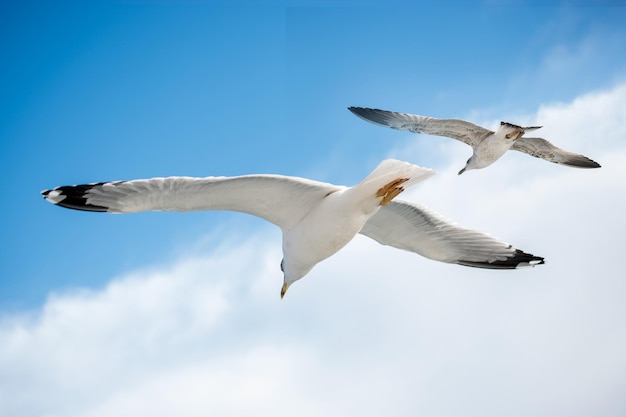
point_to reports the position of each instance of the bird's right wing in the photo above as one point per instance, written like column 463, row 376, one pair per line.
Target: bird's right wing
column 453, row 128
column 279, row 199
column 542, row 148
column 408, row 226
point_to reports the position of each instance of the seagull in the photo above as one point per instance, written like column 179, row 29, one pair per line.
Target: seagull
column 488, row 145
column 317, row 219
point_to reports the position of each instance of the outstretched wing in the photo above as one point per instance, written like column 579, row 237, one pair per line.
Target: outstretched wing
column 415, row 228
column 453, row 128
column 541, row 148
column 279, row 199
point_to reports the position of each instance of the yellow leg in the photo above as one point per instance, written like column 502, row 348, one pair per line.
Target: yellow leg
column 390, row 191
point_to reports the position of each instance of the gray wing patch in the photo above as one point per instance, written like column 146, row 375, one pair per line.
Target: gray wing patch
column 541, row 148
column 462, row 130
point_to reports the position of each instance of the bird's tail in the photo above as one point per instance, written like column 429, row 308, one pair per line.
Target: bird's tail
column 391, row 177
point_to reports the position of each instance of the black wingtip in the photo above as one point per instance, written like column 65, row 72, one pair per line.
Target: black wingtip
column 379, row 117
column 73, row 197
column 363, row 110
column 581, row 161
column 590, row 163
column 356, row 110
column 519, row 259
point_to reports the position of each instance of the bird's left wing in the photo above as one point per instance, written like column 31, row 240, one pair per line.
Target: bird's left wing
column 462, row 130
column 279, row 199
column 415, row 228
column 541, row 148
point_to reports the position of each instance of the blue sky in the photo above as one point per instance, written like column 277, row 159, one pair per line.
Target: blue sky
column 122, row 90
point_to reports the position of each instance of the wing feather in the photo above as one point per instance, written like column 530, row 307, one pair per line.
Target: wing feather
column 415, row 228
column 541, row 148
column 462, row 130
column 279, row 199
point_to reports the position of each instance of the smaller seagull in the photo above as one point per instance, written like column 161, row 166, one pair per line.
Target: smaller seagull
column 488, row 145
column 317, row 219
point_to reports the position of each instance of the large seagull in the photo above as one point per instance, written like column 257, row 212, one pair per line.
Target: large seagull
column 488, row 145
column 317, row 219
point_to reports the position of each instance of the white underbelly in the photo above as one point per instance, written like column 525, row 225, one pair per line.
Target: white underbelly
column 324, row 231
column 489, row 151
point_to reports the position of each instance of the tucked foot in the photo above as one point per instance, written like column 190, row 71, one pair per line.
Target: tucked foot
column 390, row 191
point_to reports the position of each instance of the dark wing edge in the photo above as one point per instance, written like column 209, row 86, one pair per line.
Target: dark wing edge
column 385, row 118
column 517, row 260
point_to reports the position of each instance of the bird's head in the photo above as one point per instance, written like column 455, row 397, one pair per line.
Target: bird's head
column 291, row 274
column 509, row 131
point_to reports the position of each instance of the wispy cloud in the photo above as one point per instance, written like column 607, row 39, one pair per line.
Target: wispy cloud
column 588, row 62
column 371, row 330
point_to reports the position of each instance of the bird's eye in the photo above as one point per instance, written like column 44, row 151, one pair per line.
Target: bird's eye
column 281, row 266
column 508, row 136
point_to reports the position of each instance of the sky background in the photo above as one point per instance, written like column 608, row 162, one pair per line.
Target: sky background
column 179, row 314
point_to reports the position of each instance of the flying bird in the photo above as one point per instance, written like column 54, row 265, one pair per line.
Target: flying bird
column 317, row 219
column 488, row 145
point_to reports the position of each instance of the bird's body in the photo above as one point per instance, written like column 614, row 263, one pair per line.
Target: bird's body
column 488, row 146
column 317, row 219
column 340, row 215
column 316, row 238
column 494, row 145
column 489, row 150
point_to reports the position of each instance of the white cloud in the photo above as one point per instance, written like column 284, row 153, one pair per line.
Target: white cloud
column 371, row 330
